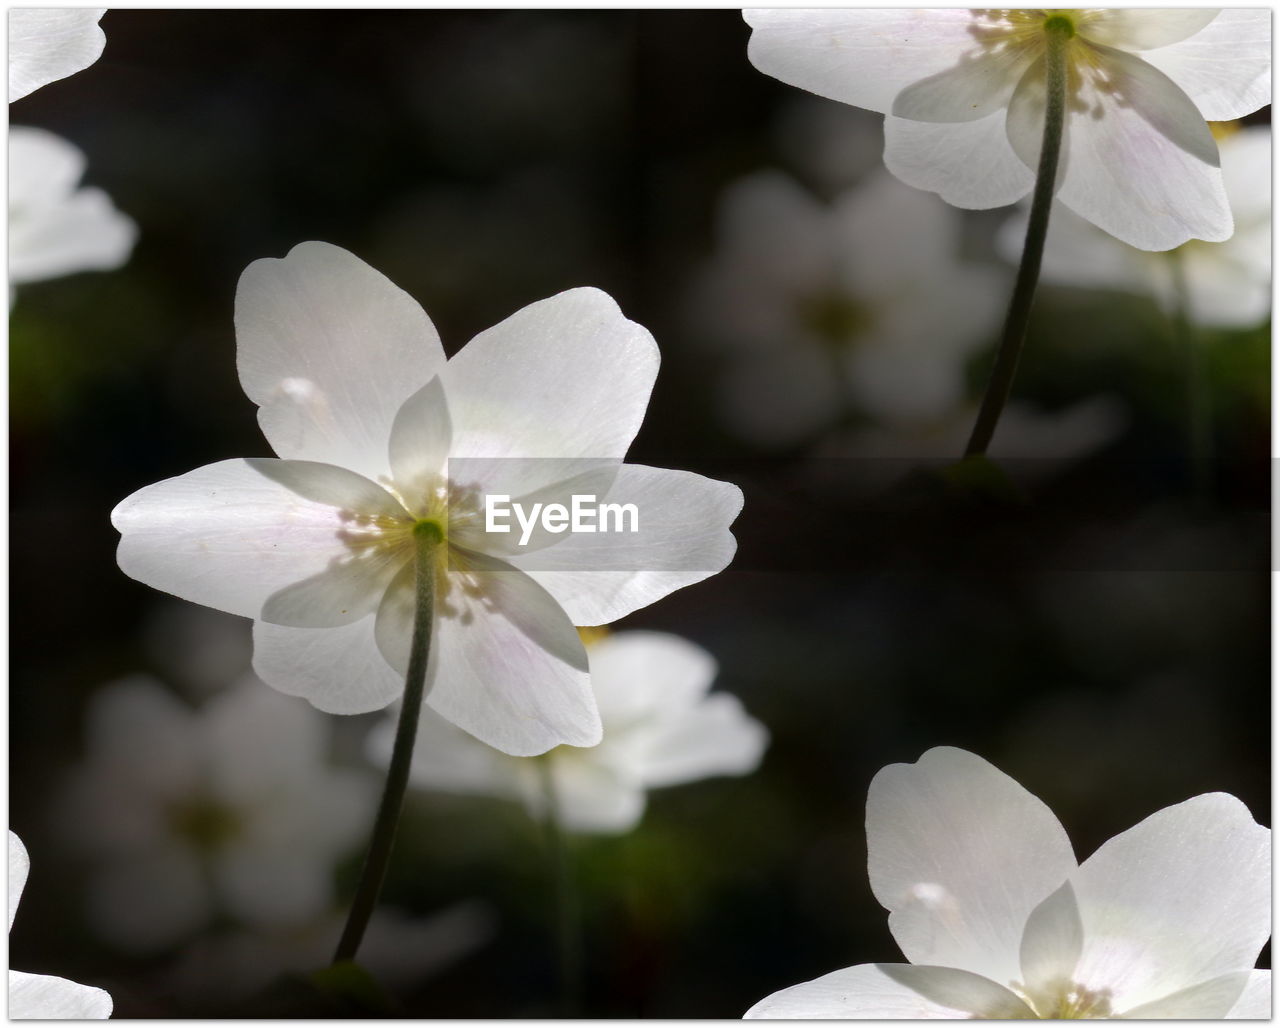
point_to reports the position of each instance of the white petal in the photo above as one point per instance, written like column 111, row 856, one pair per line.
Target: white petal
column 1144, row 29
column 55, row 229
column 1137, row 156
column 960, row 854
column 231, row 534
column 968, row 164
column 42, row 996
column 19, row 867
column 564, row 378
column 1254, row 1003
column 49, row 44
column 717, row 737
column 337, row 670
column 590, row 797
column 1181, row 898
column 1213, row 999
column 637, row 674
column 1226, row 67
column 683, row 538
column 860, row 57
column 350, row 588
column 974, row 88
column 420, row 438
column 506, row 664
column 1052, row 940
column 892, row 991
column 330, row 349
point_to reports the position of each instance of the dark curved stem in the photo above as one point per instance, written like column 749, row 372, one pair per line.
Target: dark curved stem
column 384, row 827
column 1058, row 33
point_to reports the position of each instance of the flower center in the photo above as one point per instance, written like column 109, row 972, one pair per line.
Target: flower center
column 204, row 823
column 1061, row 999
column 833, row 318
column 1060, row 22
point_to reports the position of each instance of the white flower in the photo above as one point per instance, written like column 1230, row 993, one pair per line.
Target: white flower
column 317, row 547
column 48, row 44
column 987, row 902
column 963, row 93
column 661, row 728
column 231, row 808
column 1228, row 284
column 55, row 227
column 823, row 310
column 33, row 996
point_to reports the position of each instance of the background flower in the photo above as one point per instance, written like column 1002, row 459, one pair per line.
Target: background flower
column 661, row 728
column 42, row 995
column 858, row 309
column 55, row 227
column 986, row 900
column 1228, row 283
column 232, row 810
column 963, row 95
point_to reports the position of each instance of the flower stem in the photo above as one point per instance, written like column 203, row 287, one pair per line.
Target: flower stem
column 388, row 819
column 568, row 918
column 1058, row 34
column 1199, row 399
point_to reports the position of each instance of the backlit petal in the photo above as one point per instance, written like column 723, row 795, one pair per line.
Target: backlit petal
column 683, row 537
column 48, row 44
column 892, row 991
column 1254, row 1003
column 564, row 378
column 42, row 996
column 968, row 164
column 861, row 57
column 1181, row 898
column 337, row 670
column 330, row 349
column 1226, row 67
column 229, row 535
column 961, row 854
column 1146, row 28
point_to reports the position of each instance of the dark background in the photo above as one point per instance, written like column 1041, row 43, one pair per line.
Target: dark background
column 1103, row 640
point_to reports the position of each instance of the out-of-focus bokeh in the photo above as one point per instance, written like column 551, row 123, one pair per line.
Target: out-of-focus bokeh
column 1094, row 620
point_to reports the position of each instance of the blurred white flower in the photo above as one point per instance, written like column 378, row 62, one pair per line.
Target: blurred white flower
column 398, row 950
column 42, row 996
column 860, row 306
column 1029, row 443
column 233, row 808
column 986, row 900
column 55, row 227
column 1228, row 284
column 830, row 145
column 356, row 396
column 661, row 728
column 963, row 91
column 47, row 44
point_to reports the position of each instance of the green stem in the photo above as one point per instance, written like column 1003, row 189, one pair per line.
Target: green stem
column 568, row 916
column 1058, row 32
column 384, row 827
column 1199, row 399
